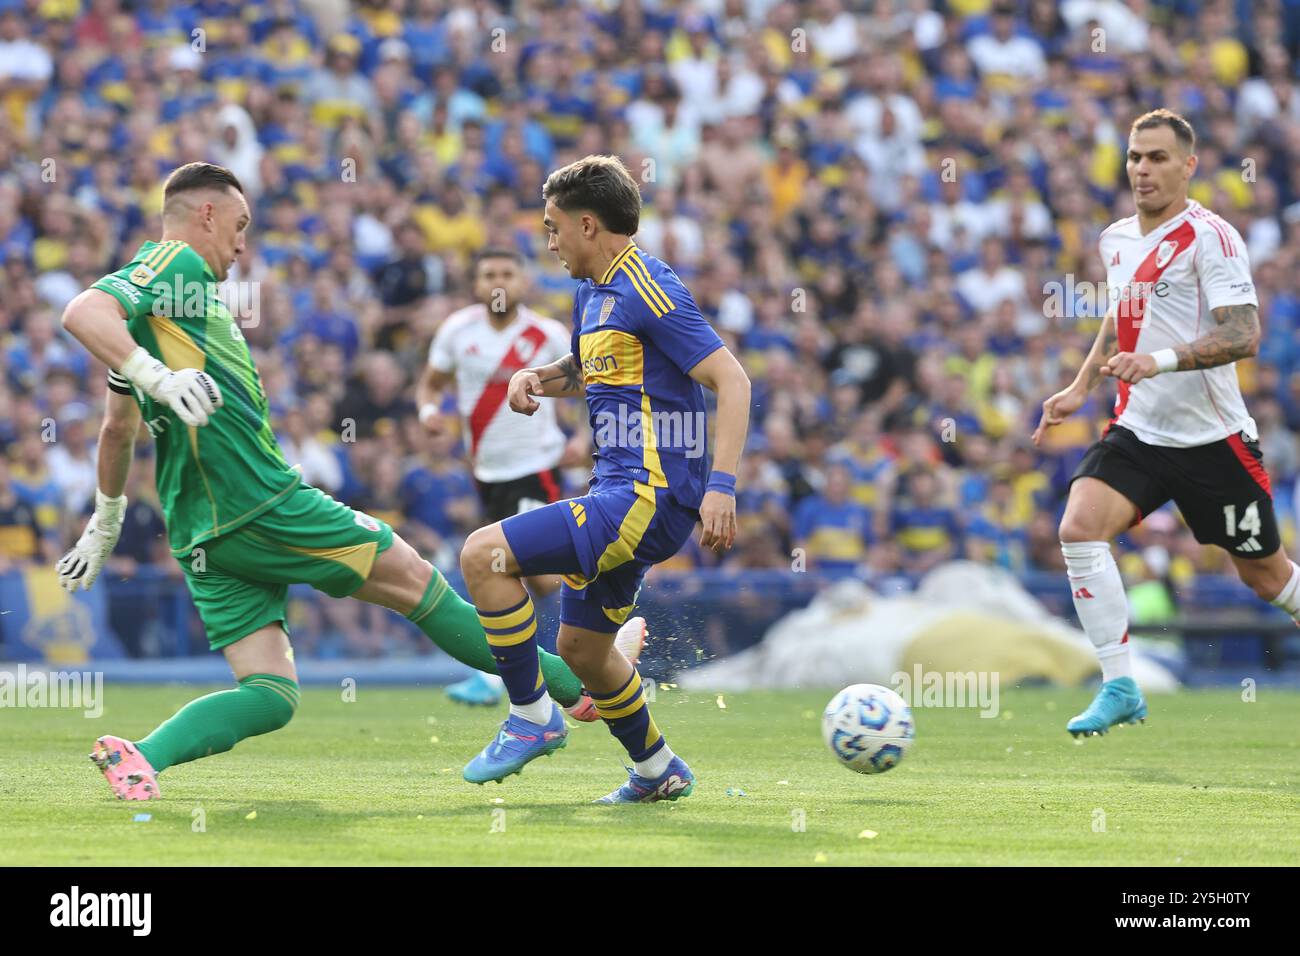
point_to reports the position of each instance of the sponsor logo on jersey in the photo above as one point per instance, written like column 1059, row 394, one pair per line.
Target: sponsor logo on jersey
column 365, row 521
column 128, row 290
column 606, row 309
column 1165, row 253
column 599, row 363
column 142, row 274
column 1114, row 260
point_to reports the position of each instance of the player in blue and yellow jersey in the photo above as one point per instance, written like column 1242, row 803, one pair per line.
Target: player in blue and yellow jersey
column 642, row 355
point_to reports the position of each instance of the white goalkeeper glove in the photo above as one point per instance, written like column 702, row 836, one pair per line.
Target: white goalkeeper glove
column 81, row 566
column 191, row 394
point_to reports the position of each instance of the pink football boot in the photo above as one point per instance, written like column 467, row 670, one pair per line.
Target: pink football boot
column 126, row 771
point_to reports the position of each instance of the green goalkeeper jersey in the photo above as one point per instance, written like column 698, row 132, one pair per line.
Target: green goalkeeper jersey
column 214, row 478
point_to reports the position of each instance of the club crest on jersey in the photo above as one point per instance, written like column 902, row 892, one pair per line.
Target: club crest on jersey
column 365, row 521
column 142, row 274
column 606, row 309
column 1165, row 252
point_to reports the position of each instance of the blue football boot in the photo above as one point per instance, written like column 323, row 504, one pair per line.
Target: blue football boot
column 477, row 690
column 1118, row 702
column 676, row 781
column 517, row 742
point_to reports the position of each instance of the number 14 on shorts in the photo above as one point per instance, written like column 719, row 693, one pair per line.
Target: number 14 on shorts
column 1248, row 525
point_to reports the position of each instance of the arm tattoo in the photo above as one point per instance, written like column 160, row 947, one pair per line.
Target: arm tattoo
column 1235, row 337
column 572, row 374
column 567, row 369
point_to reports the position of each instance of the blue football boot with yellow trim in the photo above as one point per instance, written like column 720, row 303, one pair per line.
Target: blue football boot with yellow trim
column 1118, row 702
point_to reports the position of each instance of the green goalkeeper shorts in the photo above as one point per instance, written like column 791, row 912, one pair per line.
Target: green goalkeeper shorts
column 240, row 580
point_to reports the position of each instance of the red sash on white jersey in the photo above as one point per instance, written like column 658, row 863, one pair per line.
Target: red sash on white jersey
column 1130, row 313
column 494, row 393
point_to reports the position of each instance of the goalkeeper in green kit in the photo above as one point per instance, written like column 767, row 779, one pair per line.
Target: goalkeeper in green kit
column 241, row 522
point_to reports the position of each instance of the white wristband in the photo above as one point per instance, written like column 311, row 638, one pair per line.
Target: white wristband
column 427, row 411
column 144, row 370
column 1166, row 360
column 108, row 508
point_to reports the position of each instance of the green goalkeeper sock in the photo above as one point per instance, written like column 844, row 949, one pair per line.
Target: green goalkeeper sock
column 215, row 723
column 453, row 625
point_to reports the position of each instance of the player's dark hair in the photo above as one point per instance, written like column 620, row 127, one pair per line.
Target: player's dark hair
column 497, row 252
column 199, row 176
column 600, row 185
column 1183, row 131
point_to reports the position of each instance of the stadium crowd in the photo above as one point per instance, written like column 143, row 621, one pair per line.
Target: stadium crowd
column 889, row 209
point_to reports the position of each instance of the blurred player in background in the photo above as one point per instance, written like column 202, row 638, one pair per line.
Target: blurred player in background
column 241, row 522
column 640, row 351
column 1186, row 311
column 516, row 461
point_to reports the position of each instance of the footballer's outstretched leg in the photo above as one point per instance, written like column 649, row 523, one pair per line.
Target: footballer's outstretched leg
column 264, row 701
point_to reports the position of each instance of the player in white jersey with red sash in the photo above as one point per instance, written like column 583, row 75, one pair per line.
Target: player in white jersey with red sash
column 515, row 459
column 1183, row 311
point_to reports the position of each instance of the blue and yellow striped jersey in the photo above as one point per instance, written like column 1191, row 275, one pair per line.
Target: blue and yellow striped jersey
column 637, row 334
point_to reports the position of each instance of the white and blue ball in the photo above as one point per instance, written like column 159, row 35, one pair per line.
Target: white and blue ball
column 869, row 728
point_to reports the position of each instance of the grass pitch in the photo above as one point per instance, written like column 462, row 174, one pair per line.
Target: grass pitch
column 1209, row 780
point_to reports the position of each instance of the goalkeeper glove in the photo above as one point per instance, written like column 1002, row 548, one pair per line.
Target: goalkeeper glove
column 81, row 566
column 191, row 394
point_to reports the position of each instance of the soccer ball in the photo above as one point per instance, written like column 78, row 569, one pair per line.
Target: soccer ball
column 868, row 728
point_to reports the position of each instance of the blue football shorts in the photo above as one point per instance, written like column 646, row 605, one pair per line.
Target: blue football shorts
column 601, row 544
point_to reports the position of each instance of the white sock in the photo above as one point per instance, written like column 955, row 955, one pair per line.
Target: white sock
column 1288, row 599
column 538, row 712
column 1101, row 604
column 494, row 681
column 656, row 765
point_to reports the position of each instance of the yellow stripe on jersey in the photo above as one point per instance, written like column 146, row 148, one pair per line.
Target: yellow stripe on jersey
column 178, row 349
column 656, row 290
column 618, row 260
column 161, row 251
column 645, row 294
column 650, row 445
column 167, row 260
column 612, row 357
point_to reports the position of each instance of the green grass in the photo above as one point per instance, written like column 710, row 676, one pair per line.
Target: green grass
column 1209, row 780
